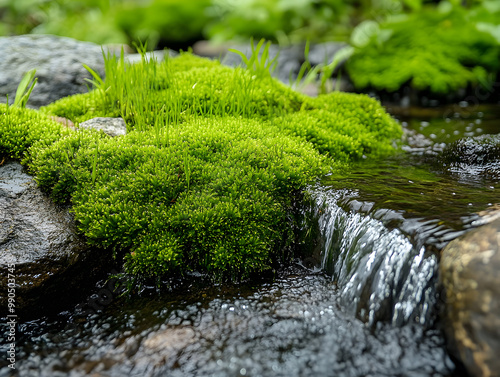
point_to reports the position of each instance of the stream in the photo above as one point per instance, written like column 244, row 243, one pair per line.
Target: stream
column 366, row 303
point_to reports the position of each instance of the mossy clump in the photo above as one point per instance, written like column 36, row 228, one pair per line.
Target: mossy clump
column 21, row 128
column 436, row 50
column 206, row 176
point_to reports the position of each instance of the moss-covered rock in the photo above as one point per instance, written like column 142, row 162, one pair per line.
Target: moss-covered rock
column 436, row 50
column 204, row 179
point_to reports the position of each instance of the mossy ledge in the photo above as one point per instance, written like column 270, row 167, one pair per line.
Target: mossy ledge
column 204, row 179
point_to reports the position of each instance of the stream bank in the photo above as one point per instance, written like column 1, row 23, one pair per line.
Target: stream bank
column 390, row 218
column 343, row 320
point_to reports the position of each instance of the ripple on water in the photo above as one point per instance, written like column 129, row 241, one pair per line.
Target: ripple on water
column 291, row 327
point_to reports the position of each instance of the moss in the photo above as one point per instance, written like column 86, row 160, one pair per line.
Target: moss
column 21, row 128
column 78, row 108
column 429, row 50
column 205, row 177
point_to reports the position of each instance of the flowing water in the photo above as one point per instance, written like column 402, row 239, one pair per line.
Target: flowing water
column 366, row 304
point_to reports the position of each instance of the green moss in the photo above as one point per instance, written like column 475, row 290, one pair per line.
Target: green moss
column 430, row 50
column 78, row 108
column 21, row 128
column 205, row 178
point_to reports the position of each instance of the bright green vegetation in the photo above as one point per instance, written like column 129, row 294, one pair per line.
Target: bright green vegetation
column 210, row 167
column 280, row 21
column 178, row 23
column 440, row 50
column 21, row 128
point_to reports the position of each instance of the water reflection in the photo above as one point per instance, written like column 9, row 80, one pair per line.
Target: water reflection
column 294, row 326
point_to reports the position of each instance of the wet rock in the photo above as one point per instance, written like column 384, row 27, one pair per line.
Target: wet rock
column 111, row 126
column 488, row 215
column 418, row 144
column 287, row 64
column 52, row 263
column 474, row 156
column 58, row 63
column 469, row 273
column 169, row 341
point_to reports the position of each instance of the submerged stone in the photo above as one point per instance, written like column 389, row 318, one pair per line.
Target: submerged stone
column 469, row 273
column 51, row 263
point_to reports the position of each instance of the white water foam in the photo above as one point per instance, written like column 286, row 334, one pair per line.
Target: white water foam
column 380, row 274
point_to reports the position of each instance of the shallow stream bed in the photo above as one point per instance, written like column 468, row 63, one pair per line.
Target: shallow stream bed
column 367, row 306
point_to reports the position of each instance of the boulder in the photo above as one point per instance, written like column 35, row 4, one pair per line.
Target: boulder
column 473, row 156
column 288, row 61
column 322, row 53
column 469, row 272
column 52, row 263
column 110, row 126
column 58, row 63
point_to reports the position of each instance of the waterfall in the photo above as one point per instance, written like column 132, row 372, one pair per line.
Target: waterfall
column 380, row 273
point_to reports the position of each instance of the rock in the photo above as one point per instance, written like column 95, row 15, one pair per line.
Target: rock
column 473, row 156
column 211, row 50
column 288, row 62
column 487, row 215
column 169, row 341
column 58, row 63
column 160, row 349
column 469, row 273
column 159, row 55
column 52, row 263
column 110, row 126
column 324, row 52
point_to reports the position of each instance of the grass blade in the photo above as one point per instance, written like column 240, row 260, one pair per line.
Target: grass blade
column 97, row 82
column 24, row 88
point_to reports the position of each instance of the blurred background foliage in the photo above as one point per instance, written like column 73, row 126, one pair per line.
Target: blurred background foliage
column 178, row 23
column 445, row 45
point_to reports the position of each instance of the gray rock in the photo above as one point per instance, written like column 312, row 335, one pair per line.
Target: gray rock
column 469, row 273
column 159, row 55
column 324, row 52
column 111, row 126
column 58, row 63
column 473, row 156
column 52, row 263
column 288, row 62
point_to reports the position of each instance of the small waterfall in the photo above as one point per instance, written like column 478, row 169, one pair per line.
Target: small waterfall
column 381, row 274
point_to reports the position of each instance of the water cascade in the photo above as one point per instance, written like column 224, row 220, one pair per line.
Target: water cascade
column 381, row 273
